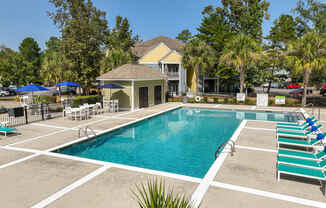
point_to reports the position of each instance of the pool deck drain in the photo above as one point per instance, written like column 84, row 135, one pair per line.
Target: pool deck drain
column 37, row 177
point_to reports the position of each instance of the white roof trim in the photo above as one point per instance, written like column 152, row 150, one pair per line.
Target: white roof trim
column 154, row 49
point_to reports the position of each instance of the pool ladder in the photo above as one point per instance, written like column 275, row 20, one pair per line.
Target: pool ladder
column 86, row 131
column 219, row 149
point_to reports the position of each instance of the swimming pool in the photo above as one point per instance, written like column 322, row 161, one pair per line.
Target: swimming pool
column 181, row 141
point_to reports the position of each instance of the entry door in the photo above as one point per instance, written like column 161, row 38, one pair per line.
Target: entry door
column 158, row 95
column 143, row 97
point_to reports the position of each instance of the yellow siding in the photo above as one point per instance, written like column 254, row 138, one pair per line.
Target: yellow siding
column 173, row 58
column 156, row 54
column 151, row 85
column 123, row 95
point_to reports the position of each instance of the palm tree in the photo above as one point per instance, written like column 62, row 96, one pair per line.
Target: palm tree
column 241, row 52
column 198, row 56
column 305, row 54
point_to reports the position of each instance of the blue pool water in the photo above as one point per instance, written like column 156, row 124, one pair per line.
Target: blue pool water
column 182, row 141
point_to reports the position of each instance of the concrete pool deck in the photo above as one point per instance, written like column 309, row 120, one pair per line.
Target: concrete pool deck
column 32, row 176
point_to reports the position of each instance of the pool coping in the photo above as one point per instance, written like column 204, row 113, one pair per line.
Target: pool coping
column 112, row 129
column 201, row 190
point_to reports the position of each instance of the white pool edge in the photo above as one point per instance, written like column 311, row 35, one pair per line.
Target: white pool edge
column 201, row 190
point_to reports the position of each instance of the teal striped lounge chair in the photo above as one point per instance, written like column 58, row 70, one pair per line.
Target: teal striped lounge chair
column 313, row 164
column 296, row 134
column 297, row 142
column 279, row 124
column 7, row 130
column 302, row 155
column 317, row 174
column 292, row 128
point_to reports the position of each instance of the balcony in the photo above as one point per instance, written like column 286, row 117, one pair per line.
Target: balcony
column 173, row 75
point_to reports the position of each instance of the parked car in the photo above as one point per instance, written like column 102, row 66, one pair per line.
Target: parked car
column 12, row 87
column 323, row 90
column 293, row 86
column 4, row 93
column 64, row 91
column 300, row 92
column 11, row 91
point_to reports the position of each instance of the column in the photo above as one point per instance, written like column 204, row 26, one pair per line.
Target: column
column 180, row 80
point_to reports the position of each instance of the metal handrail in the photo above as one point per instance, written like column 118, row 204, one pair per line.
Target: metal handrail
column 217, row 153
column 312, row 108
column 86, row 132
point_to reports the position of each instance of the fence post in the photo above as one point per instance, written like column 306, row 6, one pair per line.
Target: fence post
column 26, row 117
column 42, row 111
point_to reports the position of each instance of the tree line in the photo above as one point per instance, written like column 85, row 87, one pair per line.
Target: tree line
column 85, row 48
column 230, row 44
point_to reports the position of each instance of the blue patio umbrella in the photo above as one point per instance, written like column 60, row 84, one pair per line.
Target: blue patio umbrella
column 31, row 88
column 110, row 86
column 69, row 84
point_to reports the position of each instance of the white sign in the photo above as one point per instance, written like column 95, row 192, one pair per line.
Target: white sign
column 241, row 97
column 262, row 100
column 280, row 100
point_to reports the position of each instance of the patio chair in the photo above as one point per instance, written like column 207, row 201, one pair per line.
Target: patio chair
column 116, row 105
column 298, row 134
column 7, row 130
column 317, row 174
column 293, row 128
column 302, row 155
column 309, row 143
column 67, row 112
column 279, row 124
column 98, row 108
column 313, row 164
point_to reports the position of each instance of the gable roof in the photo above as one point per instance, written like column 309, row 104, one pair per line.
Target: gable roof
column 140, row 49
column 133, row 72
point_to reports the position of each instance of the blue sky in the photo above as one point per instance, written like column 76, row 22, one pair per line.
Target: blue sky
column 20, row 19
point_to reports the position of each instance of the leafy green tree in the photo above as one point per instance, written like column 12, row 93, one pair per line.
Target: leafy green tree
column 284, row 30
column 311, row 15
column 55, row 67
column 30, row 51
column 115, row 58
column 306, row 54
column 184, row 36
column 215, row 28
column 83, row 30
column 241, row 52
column 242, row 16
column 121, row 36
column 271, row 63
column 198, row 56
column 12, row 67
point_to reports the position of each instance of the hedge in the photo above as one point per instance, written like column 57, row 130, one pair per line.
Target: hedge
column 80, row 100
column 232, row 100
column 44, row 99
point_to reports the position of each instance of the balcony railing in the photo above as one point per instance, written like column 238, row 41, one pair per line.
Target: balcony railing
column 173, row 74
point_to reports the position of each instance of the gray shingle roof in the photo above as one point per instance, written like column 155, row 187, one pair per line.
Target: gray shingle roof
column 133, row 71
column 142, row 48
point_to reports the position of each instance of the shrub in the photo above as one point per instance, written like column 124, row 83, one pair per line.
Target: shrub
column 80, row 100
column 271, row 101
column 225, row 100
column 44, row 99
column 155, row 194
column 191, row 100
